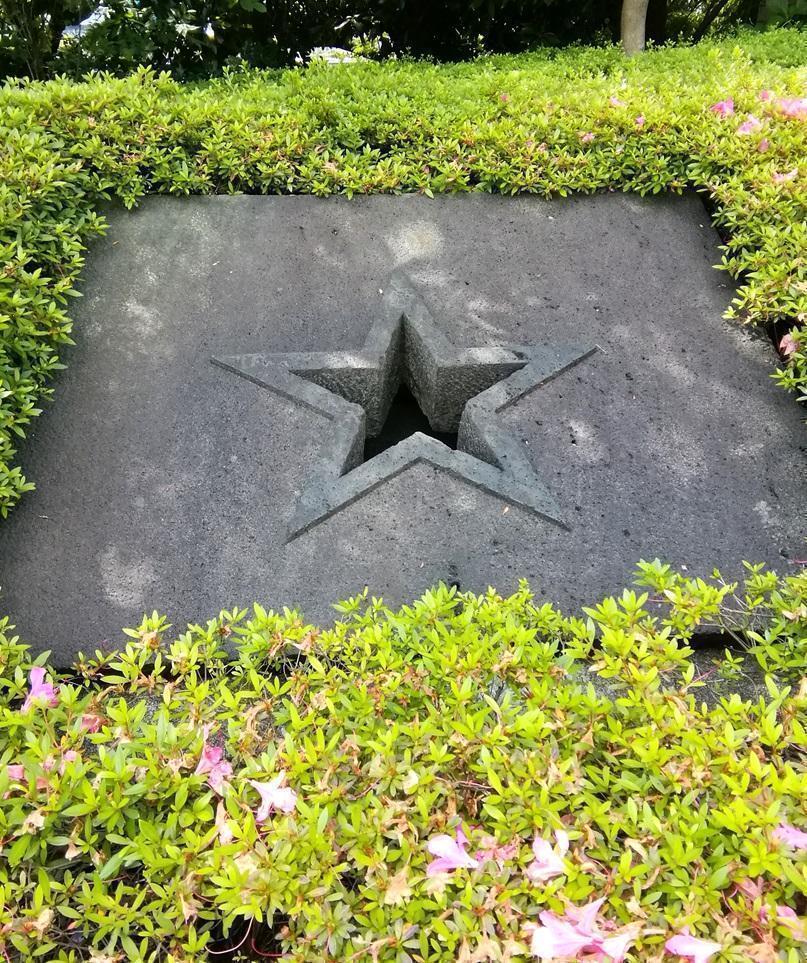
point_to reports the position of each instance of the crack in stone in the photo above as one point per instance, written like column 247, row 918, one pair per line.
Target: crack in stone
column 460, row 390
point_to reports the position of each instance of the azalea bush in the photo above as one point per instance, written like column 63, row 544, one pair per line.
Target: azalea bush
column 468, row 778
column 726, row 119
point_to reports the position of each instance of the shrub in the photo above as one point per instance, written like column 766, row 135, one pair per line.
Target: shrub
column 547, row 123
column 165, row 802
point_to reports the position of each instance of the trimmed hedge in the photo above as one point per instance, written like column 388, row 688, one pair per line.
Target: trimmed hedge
column 548, row 123
column 451, row 781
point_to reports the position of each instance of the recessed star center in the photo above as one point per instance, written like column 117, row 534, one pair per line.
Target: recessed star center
column 408, row 377
column 404, row 418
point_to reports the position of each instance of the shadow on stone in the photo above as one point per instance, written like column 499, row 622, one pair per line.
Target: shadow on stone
column 405, row 418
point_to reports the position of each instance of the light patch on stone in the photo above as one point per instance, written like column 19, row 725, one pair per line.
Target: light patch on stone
column 418, row 239
column 763, row 510
column 590, row 448
column 126, row 584
column 145, row 320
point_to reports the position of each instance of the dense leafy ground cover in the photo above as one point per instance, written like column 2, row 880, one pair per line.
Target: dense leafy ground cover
column 468, row 778
column 546, row 123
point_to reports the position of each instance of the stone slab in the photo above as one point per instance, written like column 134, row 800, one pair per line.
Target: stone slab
column 165, row 481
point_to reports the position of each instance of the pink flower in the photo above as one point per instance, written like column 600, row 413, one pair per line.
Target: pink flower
column 91, row 722
column 788, row 345
column 617, row 946
column 489, row 849
column 754, row 890
column 785, row 833
column 787, row 917
column 70, row 756
column 585, row 917
column 723, row 108
column 587, row 138
column 616, row 102
column 40, row 692
column 548, row 862
column 640, row 121
column 217, row 769
column 557, row 938
column 450, row 854
column 778, row 178
column 274, row 796
column 504, row 98
column 749, row 126
column 578, row 932
column 763, row 145
column 765, row 95
column 16, row 773
column 792, row 107
column 685, row 945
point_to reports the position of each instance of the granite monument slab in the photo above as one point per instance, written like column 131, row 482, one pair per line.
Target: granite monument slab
column 212, row 440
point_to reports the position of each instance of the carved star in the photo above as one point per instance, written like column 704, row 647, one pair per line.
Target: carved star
column 462, row 390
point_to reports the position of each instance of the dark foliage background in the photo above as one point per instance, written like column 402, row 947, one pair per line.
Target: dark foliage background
column 196, row 38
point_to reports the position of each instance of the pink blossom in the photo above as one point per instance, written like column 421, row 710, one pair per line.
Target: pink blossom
column 17, row 773
column 640, row 121
column 504, row 98
column 616, row 102
column 685, row 945
column 489, row 849
column 789, row 835
column 578, row 932
column 787, row 917
column 548, row 862
column 70, row 756
column 778, row 178
column 275, row 796
column 794, row 107
column 617, row 946
column 754, row 889
column 91, row 722
column 585, row 917
column 587, row 138
column 749, row 126
column 763, row 145
column 765, row 95
column 723, row 108
column 217, row 769
column 40, row 692
column 450, row 854
column 557, row 938
column 788, row 345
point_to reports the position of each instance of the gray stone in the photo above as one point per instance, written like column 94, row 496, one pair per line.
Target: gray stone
column 460, row 390
column 166, row 482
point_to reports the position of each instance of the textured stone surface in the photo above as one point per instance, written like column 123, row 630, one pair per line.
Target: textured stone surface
column 166, row 482
column 460, row 390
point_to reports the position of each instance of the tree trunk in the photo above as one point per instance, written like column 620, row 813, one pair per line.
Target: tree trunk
column 634, row 18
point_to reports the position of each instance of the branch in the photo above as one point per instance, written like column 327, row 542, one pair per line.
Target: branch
column 712, row 13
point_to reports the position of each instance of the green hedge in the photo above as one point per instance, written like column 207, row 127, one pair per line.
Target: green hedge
column 548, row 123
column 577, row 757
